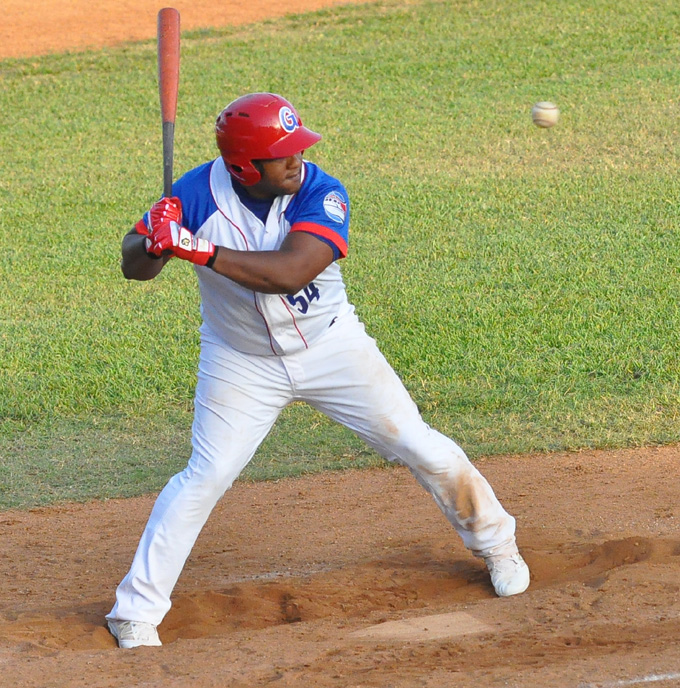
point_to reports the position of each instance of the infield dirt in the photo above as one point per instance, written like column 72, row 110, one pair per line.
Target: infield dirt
column 348, row 579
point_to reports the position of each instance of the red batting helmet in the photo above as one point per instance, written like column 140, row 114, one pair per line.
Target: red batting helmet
column 259, row 126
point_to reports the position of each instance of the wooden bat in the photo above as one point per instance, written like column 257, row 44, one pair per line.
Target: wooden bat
column 168, row 86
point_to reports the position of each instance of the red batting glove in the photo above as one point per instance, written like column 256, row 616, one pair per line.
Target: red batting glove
column 181, row 242
column 165, row 210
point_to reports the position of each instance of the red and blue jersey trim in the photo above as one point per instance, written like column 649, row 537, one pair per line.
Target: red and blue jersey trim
column 321, row 207
column 325, row 233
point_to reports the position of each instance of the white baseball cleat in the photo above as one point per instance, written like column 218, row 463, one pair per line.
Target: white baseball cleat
column 134, row 633
column 509, row 573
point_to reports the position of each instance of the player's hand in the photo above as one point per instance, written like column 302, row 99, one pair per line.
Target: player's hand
column 165, row 210
column 179, row 241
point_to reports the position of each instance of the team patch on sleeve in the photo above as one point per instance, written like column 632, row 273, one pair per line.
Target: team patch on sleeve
column 335, row 206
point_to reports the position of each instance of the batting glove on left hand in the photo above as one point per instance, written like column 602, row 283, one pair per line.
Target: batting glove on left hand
column 165, row 210
column 180, row 242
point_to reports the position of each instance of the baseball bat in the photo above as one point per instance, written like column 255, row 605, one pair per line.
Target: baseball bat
column 168, row 86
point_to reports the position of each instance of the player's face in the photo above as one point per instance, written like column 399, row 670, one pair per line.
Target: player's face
column 280, row 177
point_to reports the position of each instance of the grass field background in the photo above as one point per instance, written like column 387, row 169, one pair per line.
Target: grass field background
column 523, row 282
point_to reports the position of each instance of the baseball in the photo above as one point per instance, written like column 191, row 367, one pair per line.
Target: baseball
column 545, row 114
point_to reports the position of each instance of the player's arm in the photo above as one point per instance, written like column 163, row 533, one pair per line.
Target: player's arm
column 301, row 257
column 294, row 265
column 136, row 263
column 139, row 261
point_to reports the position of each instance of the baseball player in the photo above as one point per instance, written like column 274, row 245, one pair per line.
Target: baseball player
column 265, row 230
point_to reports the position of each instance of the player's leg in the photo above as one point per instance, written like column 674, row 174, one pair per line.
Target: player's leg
column 234, row 411
column 354, row 384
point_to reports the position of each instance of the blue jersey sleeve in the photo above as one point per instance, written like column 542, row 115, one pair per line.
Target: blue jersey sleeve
column 193, row 189
column 321, row 207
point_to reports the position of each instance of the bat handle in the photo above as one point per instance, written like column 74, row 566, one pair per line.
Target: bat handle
column 168, row 146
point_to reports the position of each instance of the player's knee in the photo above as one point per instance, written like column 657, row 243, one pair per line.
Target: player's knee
column 214, row 478
column 429, row 448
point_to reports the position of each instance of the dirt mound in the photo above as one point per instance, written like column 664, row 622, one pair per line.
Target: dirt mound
column 355, row 579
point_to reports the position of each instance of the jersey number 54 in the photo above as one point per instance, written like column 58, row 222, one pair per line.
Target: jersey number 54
column 303, row 298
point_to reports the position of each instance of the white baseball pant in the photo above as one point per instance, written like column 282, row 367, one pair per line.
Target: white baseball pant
column 238, row 398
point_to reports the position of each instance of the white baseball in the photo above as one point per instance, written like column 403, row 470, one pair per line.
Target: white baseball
column 545, row 114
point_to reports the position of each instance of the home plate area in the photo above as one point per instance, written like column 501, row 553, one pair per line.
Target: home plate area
column 355, row 579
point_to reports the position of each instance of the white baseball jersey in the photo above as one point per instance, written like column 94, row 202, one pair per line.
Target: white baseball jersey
column 249, row 321
column 256, row 358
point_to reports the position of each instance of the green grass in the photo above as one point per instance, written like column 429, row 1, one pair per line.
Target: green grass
column 523, row 282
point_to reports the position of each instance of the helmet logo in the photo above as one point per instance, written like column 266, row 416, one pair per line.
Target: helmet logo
column 289, row 120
